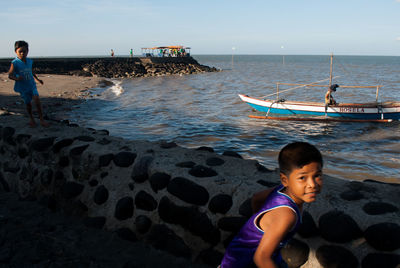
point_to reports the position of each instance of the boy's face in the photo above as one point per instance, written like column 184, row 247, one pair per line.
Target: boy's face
column 303, row 184
column 22, row 53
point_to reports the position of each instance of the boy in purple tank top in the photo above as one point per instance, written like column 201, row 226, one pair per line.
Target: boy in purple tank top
column 278, row 210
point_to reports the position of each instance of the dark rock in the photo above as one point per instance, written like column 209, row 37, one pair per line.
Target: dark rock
column 126, row 234
column 23, row 152
column 10, row 141
column 231, row 224
column 63, row 161
column 131, row 186
column 202, row 171
column 103, row 174
column 220, row 203
column 351, row 195
column 8, row 132
column 105, row 160
column 49, row 202
column 378, row 208
column 346, row 229
column 72, row 189
column 101, row 195
column 245, row 208
column 124, row 159
column 85, row 138
column 124, row 208
column 190, row 218
column 94, row 222
column 307, row 228
column 159, row 181
column 104, row 141
column 61, row 144
column 355, row 185
column 261, row 168
column 73, row 125
column 295, row 253
column 7, row 167
column 383, row 236
column 93, row 183
column 187, row 164
column 205, row 148
column 228, row 240
column 168, row 145
column 22, row 138
column 104, row 132
column 3, row 184
column 46, row 177
column 210, row 257
column 269, row 184
column 188, row 191
column 141, row 169
column 77, row 151
column 232, row 154
column 143, row 224
column 145, row 201
column 373, row 260
column 215, row 161
column 336, row 256
column 59, row 178
column 163, row 238
column 42, row 145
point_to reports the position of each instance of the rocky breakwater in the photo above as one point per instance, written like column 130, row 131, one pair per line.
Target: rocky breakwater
column 118, row 67
column 189, row 202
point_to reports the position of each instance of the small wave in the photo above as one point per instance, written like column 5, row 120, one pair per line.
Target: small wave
column 117, row 88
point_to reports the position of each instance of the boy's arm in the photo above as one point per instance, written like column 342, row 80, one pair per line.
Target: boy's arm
column 11, row 74
column 37, row 79
column 276, row 224
column 259, row 198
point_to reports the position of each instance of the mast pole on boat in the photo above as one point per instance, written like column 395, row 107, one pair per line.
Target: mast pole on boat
column 331, row 71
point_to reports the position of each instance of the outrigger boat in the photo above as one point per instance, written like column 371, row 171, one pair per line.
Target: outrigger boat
column 280, row 109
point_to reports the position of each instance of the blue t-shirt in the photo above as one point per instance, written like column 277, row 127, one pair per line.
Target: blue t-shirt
column 24, row 69
column 240, row 251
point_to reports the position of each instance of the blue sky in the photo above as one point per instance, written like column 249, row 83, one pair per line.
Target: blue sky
column 309, row 27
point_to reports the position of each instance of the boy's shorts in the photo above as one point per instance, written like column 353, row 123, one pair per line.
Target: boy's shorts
column 28, row 95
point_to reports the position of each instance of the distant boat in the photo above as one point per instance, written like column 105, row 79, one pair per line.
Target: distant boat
column 281, row 109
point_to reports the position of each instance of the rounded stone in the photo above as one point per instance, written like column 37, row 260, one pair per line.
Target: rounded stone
column 202, row 171
column 8, row 132
column 220, row 203
column 124, row 208
column 94, row 222
column 351, row 195
column 373, row 260
column 308, row 227
column 231, row 224
column 159, row 181
column 42, row 145
column 214, row 161
column 46, row 177
column 378, row 208
column 101, row 195
column 245, row 208
column 141, row 169
column 261, row 168
column 232, row 154
column 85, row 138
column 23, row 152
column 105, row 159
column 383, row 236
column 124, row 159
column 77, row 151
column 188, row 191
column 63, row 161
column 93, row 182
column 61, row 144
column 104, row 141
column 187, row 164
column 4, row 184
column 143, row 224
column 21, row 138
column 206, row 149
column 72, row 189
column 210, row 257
column 295, row 253
column 345, row 228
column 269, row 184
column 336, row 256
column 145, row 201
column 126, row 234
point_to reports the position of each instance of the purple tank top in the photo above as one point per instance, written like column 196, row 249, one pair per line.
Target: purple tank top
column 240, row 252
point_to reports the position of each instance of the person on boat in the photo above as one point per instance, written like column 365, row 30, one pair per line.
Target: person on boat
column 329, row 100
column 277, row 210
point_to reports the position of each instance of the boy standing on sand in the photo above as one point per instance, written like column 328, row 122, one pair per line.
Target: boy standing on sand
column 278, row 210
column 21, row 72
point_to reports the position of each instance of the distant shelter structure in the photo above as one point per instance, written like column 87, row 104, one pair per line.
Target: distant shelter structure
column 166, row 51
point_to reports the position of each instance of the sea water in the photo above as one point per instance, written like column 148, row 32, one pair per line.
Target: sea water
column 205, row 110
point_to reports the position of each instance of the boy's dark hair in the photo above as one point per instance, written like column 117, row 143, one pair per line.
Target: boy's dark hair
column 297, row 155
column 19, row 44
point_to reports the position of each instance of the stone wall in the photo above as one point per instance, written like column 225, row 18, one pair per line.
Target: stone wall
column 189, row 202
column 116, row 67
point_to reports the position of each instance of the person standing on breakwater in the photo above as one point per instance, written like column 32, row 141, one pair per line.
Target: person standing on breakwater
column 21, row 72
column 131, row 53
column 112, row 53
column 278, row 210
